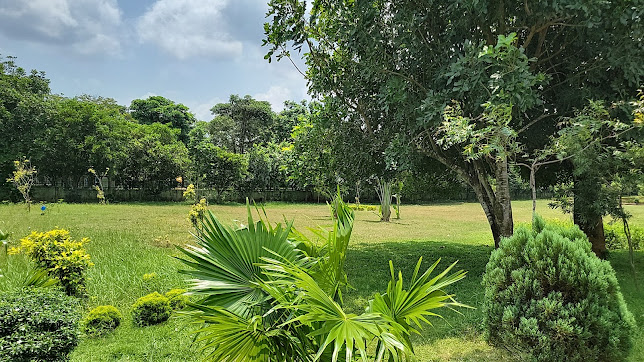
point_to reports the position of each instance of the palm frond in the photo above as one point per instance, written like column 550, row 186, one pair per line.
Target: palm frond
column 333, row 328
column 231, row 338
column 224, row 263
column 412, row 306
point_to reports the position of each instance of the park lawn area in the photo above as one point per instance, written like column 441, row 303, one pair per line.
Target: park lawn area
column 130, row 240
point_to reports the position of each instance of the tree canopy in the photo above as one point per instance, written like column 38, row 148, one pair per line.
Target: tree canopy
column 512, row 68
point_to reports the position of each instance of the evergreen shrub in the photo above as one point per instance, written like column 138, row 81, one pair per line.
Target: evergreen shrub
column 102, row 319
column 546, row 293
column 151, row 309
column 177, row 298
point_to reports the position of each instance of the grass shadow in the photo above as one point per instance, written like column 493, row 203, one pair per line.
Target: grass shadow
column 368, row 272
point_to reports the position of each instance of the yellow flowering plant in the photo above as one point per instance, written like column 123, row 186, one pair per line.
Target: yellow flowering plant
column 62, row 257
column 197, row 212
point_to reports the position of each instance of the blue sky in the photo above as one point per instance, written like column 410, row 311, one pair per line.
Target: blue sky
column 195, row 52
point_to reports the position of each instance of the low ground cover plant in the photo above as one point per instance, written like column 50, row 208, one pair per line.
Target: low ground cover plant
column 38, row 324
column 268, row 293
column 100, row 320
column 546, row 293
column 62, row 257
column 151, row 309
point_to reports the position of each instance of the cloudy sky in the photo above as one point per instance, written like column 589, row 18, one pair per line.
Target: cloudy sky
column 195, row 52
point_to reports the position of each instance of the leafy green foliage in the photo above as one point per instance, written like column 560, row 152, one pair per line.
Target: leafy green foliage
column 241, row 122
column 177, row 298
column 546, row 293
column 268, row 292
column 217, row 167
column 157, row 109
column 393, row 67
column 151, row 309
column 190, row 194
column 226, row 263
column 62, row 257
column 37, row 324
column 154, row 158
column 101, row 320
column 616, row 239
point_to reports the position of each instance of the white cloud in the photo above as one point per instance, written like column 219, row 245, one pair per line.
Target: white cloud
column 187, row 28
column 276, row 95
column 88, row 26
column 202, row 110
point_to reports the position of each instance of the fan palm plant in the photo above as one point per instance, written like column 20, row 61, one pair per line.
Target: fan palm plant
column 266, row 293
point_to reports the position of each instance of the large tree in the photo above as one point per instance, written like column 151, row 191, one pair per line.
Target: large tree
column 408, row 60
column 25, row 113
column 162, row 110
column 241, row 122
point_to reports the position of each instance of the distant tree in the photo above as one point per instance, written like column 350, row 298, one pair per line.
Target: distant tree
column 154, row 158
column 162, row 110
column 83, row 132
column 287, row 119
column 25, row 112
column 267, row 167
column 218, row 168
column 241, row 122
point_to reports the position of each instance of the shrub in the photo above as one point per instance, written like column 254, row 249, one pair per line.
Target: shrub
column 177, row 298
column 616, row 239
column 37, row 324
column 102, row 319
column 62, row 257
column 151, row 309
column 548, row 294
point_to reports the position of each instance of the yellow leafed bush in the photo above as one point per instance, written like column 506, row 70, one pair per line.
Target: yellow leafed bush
column 62, row 257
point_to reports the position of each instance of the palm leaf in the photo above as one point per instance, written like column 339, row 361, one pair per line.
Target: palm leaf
column 334, row 329
column 231, row 338
column 224, row 263
column 412, row 306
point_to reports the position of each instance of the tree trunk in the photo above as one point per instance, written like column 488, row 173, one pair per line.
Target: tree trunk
column 594, row 229
column 496, row 205
column 533, row 188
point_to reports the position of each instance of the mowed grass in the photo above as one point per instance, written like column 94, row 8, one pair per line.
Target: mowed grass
column 131, row 240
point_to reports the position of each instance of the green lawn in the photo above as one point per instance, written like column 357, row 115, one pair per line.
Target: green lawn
column 131, row 240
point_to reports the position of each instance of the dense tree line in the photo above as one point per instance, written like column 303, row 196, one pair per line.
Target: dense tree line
column 155, row 144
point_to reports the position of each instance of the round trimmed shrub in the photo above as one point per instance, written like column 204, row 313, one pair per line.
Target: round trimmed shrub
column 151, row 309
column 546, row 293
column 102, row 319
column 177, row 298
column 38, row 324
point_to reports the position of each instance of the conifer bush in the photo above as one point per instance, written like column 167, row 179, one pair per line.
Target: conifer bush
column 102, row 319
column 546, row 293
column 151, row 309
